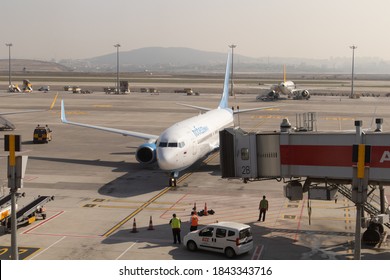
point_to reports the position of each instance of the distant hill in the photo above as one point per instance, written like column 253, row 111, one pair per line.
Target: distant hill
column 28, row 65
column 160, row 59
column 187, row 60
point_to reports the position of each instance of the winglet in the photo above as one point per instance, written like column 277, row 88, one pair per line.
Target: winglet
column 225, row 95
column 54, row 102
column 63, row 116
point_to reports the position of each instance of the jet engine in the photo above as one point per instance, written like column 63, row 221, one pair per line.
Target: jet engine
column 146, row 153
column 273, row 94
column 302, row 94
column 305, row 94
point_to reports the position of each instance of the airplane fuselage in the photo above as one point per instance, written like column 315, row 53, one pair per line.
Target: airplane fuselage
column 287, row 87
column 185, row 142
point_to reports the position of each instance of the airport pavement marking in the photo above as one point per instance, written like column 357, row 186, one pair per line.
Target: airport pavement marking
column 132, row 207
column 44, row 222
column 23, row 252
column 146, row 204
column 299, row 221
column 103, row 106
column 143, row 206
column 44, row 250
column 257, row 252
column 124, row 252
column 171, row 208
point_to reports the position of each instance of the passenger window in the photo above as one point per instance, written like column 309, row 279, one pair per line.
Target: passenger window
column 220, row 233
column 231, row 233
column 207, row 232
column 244, row 153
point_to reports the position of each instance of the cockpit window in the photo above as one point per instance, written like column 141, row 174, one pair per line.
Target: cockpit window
column 172, row 145
column 163, row 144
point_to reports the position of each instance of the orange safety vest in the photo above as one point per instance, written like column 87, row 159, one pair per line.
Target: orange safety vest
column 194, row 220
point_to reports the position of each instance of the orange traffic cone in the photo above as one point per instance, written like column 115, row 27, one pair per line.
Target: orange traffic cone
column 205, row 209
column 150, row 224
column 134, row 227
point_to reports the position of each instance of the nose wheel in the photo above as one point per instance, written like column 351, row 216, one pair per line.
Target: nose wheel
column 173, row 179
column 172, row 182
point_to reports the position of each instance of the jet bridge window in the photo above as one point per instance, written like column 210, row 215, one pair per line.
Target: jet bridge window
column 244, row 153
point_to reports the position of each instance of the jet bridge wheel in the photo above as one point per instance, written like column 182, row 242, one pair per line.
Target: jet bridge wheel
column 371, row 236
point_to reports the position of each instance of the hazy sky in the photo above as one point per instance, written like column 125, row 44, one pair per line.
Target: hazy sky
column 47, row 29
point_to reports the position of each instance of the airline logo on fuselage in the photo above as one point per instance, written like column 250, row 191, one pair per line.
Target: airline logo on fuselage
column 199, row 130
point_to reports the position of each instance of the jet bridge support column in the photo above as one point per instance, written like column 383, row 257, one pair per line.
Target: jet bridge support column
column 359, row 184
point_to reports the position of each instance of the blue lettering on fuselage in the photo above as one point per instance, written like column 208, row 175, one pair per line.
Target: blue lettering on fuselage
column 199, row 130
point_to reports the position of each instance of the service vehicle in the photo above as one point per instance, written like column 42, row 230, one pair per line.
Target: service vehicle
column 44, row 88
column 230, row 238
column 42, row 134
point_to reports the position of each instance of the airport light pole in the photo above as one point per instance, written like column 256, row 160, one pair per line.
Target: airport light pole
column 232, row 46
column 353, row 47
column 117, row 67
column 9, row 45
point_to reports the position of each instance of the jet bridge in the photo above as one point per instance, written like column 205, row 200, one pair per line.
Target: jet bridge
column 320, row 163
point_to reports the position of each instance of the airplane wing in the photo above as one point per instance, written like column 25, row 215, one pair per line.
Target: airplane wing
column 195, row 107
column 254, row 109
column 107, row 129
column 235, row 112
column 30, row 111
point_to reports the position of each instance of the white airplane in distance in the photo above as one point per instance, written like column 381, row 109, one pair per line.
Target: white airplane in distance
column 185, row 142
column 287, row 88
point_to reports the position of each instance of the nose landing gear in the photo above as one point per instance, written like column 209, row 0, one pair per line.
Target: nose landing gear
column 172, row 179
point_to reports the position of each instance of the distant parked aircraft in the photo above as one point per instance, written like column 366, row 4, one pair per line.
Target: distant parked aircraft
column 286, row 88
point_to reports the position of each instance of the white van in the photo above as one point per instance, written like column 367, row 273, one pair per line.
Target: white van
column 229, row 238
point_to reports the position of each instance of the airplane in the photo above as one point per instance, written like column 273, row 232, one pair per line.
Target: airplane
column 8, row 125
column 286, row 88
column 185, row 142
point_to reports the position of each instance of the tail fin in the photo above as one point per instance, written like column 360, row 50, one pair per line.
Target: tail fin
column 284, row 73
column 225, row 95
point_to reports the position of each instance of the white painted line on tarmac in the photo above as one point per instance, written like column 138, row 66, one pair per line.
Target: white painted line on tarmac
column 126, row 250
column 40, row 252
column 257, row 253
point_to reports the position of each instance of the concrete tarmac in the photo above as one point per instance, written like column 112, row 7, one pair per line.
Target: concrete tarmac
column 101, row 191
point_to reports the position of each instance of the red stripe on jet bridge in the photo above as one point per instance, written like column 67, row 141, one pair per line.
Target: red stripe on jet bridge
column 380, row 156
column 318, row 155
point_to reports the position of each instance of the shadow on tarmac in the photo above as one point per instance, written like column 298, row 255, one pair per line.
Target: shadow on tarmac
column 160, row 242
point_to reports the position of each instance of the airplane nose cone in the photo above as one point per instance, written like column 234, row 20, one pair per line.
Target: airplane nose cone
column 166, row 159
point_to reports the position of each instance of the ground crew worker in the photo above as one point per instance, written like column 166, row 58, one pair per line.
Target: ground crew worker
column 41, row 210
column 194, row 221
column 175, row 224
column 263, row 207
